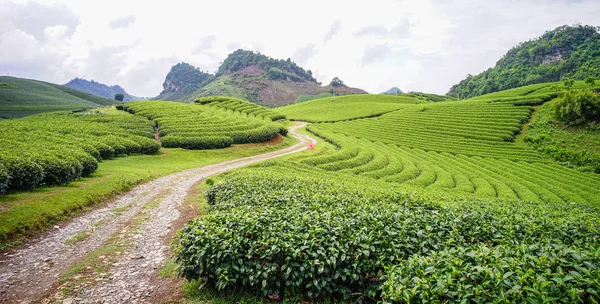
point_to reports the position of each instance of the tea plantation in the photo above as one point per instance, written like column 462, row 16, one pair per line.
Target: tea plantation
column 402, row 200
column 57, row 148
column 405, row 202
column 193, row 126
column 346, row 107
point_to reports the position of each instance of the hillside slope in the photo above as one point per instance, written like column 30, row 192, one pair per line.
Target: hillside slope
column 567, row 51
column 251, row 76
column 183, row 79
column 21, row 97
column 99, row 89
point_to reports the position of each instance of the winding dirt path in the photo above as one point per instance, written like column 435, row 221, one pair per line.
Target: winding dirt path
column 139, row 221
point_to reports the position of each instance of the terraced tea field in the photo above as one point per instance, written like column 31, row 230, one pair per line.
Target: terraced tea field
column 398, row 202
column 402, row 200
column 239, row 105
column 194, row 126
column 346, row 107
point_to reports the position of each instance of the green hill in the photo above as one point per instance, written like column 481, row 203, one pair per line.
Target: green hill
column 183, row 79
column 21, row 97
column 250, row 76
column 567, row 51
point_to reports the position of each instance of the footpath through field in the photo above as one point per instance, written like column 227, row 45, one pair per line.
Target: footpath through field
column 138, row 222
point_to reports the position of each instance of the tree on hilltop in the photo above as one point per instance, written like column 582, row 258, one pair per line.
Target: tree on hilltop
column 336, row 82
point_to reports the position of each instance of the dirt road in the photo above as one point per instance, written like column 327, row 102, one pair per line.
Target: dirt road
column 138, row 222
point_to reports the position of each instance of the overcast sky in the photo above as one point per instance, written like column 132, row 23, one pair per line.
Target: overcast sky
column 417, row 45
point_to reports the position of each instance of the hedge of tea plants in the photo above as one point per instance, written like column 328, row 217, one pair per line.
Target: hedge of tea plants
column 239, row 105
column 311, row 235
column 193, row 126
column 57, row 148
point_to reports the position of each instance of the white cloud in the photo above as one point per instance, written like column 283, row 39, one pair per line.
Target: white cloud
column 122, row 22
column 425, row 45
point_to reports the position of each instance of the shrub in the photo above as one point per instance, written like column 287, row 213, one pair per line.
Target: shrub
column 501, row 274
column 197, row 143
column 59, row 171
column 24, row 173
column 575, row 108
column 303, row 235
column 4, row 177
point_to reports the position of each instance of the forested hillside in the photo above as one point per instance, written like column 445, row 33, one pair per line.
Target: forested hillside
column 250, row 76
column 567, row 51
column 182, row 80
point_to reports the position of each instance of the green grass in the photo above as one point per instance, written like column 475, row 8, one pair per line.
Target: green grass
column 25, row 213
column 346, row 107
column 20, row 97
column 573, row 146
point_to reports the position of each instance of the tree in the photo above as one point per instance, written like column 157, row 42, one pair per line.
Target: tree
column 577, row 107
column 336, row 82
column 568, row 83
column 119, row 97
column 591, row 81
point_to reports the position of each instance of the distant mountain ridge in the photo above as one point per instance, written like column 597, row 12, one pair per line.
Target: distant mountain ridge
column 99, row 89
column 567, row 51
column 247, row 75
column 393, row 91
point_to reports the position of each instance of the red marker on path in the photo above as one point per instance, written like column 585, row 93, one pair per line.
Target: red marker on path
column 310, row 146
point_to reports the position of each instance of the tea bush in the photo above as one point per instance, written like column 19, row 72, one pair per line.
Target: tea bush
column 305, row 234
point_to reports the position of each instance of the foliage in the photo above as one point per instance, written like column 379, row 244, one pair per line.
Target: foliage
column 195, row 126
column 309, row 234
column 346, row 107
column 537, row 273
column 429, row 96
column 336, row 82
column 119, row 97
column 239, row 105
column 196, row 143
column 568, row 83
column 576, row 108
column 591, row 81
column 567, row 51
column 183, row 79
column 572, row 146
column 473, row 128
column 28, row 213
column 276, row 69
column 99, row 89
column 57, row 148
